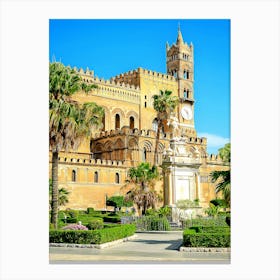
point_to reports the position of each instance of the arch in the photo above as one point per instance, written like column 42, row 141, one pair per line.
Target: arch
column 108, row 149
column 121, row 116
column 132, row 144
column 131, row 122
column 135, row 116
column 118, row 149
column 119, row 144
column 146, row 150
column 117, row 121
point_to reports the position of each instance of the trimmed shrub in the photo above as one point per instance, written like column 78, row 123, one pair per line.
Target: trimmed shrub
column 206, row 237
column 70, row 220
column 91, row 236
column 90, row 210
column 114, row 219
column 95, row 224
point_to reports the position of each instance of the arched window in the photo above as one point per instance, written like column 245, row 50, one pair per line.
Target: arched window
column 74, row 176
column 175, row 73
column 117, row 178
column 188, row 75
column 155, row 124
column 185, row 74
column 131, row 122
column 145, row 105
column 188, row 93
column 117, row 121
column 95, row 177
column 144, row 154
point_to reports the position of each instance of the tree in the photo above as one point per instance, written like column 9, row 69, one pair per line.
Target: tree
column 164, row 103
column 69, row 121
column 63, row 195
column 143, row 193
column 222, row 177
column 118, row 202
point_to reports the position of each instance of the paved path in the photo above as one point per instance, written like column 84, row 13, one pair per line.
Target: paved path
column 146, row 248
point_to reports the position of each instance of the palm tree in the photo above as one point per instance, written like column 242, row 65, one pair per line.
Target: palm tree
column 164, row 103
column 222, row 177
column 223, row 185
column 143, row 194
column 69, row 122
column 62, row 195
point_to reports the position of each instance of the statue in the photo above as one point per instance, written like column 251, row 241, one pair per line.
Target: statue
column 173, row 123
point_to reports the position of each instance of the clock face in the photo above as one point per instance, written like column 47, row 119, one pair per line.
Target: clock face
column 186, row 112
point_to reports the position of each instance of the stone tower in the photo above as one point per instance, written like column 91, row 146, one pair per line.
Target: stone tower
column 180, row 64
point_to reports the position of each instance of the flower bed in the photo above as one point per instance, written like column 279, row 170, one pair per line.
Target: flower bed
column 91, row 236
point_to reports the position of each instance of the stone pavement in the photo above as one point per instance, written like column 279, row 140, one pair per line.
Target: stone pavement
column 150, row 248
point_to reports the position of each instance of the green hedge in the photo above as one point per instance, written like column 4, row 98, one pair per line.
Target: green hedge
column 91, row 236
column 207, row 237
column 114, row 219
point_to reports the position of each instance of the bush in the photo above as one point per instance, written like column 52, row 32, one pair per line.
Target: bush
column 90, row 210
column 95, row 224
column 91, row 236
column 206, row 237
column 114, row 219
column 70, row 220
column 219, row 202
column 206, row 222
column 75, row 227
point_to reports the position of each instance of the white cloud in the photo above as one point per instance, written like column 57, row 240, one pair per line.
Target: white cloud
column 214, row 141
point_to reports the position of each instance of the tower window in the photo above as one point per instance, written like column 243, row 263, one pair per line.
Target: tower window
column 95, row 177
column 117, row 121
column 155, row 124
column 74, row 176
column 175, row 73
column 185, row 74
column 145, row 104
column 185, row 94
column 188, row 75
column 117, row 178
column 131, row 122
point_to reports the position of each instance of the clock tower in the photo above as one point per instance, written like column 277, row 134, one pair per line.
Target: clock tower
column 180, row 64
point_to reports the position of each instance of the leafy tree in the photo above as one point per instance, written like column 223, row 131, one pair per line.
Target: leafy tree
column 118, row 202
column 224, row 153
column 143, row 193
column 69, row 121
column 222, row 177
column 163, row 103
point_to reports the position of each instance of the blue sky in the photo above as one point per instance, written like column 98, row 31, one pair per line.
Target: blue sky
column 111, row 47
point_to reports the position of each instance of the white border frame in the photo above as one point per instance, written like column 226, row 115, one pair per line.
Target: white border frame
column 254, row 136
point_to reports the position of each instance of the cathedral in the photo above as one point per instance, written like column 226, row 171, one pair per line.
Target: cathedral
column 98, row 169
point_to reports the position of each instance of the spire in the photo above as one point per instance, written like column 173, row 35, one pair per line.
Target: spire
column 167, row 46
column 179, row 37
